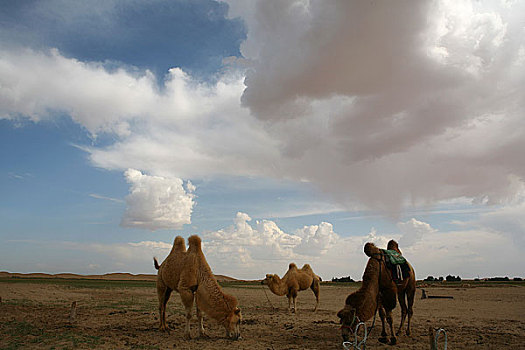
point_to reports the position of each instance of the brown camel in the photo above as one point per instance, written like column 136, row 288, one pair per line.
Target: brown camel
column 293, row 281
column 406, row 290
column 188, row 273
column 378, row 293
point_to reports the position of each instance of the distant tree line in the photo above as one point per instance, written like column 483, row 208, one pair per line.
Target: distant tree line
column 503, row 279
column 449, row 278
column 342, row 279
column 432, row 279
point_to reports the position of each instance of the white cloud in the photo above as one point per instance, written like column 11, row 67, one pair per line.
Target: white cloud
column 98, row 196
column 467, row 252
column 316, row 239
column 413, row 231
column 383, row 106
column 264, row 241
column 249, row 251
column 156, row 202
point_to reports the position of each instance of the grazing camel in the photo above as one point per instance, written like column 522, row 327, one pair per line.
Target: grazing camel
column 378, row 293
column 188, row 273
column 293, row 281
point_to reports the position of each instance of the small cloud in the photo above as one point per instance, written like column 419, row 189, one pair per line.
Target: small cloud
column 19, row 176
column 98, row 196
column 152, row 245
column 413, row 231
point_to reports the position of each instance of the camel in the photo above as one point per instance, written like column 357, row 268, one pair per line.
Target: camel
column 406, row 290
column 294, row 281
column 378, row 293
column 188, row 273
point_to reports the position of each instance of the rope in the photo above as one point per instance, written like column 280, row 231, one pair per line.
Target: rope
column 439, row 331
column 356, row 345
column 264, row 289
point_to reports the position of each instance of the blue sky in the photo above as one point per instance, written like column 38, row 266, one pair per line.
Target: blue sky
column 278, row 132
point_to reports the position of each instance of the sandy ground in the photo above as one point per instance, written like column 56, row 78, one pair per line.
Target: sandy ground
column 37, row 316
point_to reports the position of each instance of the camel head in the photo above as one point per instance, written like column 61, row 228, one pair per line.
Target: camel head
column 232, row 324
column 268, row 279
column 348, row 320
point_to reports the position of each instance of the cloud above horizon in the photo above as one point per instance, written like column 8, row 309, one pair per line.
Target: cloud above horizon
column 156, row 202
column 419, row 103
column 250, row 250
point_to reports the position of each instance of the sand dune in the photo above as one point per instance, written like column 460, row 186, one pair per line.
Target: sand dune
column 115, row 276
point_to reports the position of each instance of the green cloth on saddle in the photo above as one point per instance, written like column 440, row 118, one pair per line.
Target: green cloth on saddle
column 394, row 257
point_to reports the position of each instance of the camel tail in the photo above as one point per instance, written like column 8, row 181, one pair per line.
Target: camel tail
column 194, row 243
column 156, row 263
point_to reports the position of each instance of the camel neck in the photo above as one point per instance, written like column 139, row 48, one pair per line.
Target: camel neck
column 278, row 286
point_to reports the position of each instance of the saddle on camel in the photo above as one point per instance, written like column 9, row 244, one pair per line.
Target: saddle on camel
column 396, row 263
column 378, row 293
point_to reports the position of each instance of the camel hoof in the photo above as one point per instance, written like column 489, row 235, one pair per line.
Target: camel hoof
column 408, row 333
column 383, row 340
column 204, row 335
column 393, row 341
column 187, row 336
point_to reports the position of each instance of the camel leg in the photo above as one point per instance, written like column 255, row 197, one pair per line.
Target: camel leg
column 383, row 338
column 163, row 293
column 202, row 333
column 294, row 297
column 390, row 320
column 289, row 302
column 315, row 288
column 402, row 303
column 186, row 296
column 410, row 298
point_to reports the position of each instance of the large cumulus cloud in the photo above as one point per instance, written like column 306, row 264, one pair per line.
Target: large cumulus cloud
column 394, row 105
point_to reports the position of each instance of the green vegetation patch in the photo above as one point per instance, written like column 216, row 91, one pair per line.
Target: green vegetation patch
column 80, row 283
column 21, row 334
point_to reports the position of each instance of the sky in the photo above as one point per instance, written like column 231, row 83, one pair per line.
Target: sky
column 289, row 131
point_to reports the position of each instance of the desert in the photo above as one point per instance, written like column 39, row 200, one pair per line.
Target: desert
column 121, row 311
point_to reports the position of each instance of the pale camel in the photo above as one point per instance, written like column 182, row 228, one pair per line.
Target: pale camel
column 188, row 273
column 293, row 281
column 377, row 293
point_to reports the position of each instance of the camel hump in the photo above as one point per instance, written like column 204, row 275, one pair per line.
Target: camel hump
column 194, row 242
column 370, row 248
column 307, row 267
column 292, row 266
column 392, row 245
column 178, row 244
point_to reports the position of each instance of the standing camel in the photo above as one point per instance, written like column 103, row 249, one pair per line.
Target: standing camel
column 293, row 281
column 378, row 293
column 406, row 290
column 188, row 273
